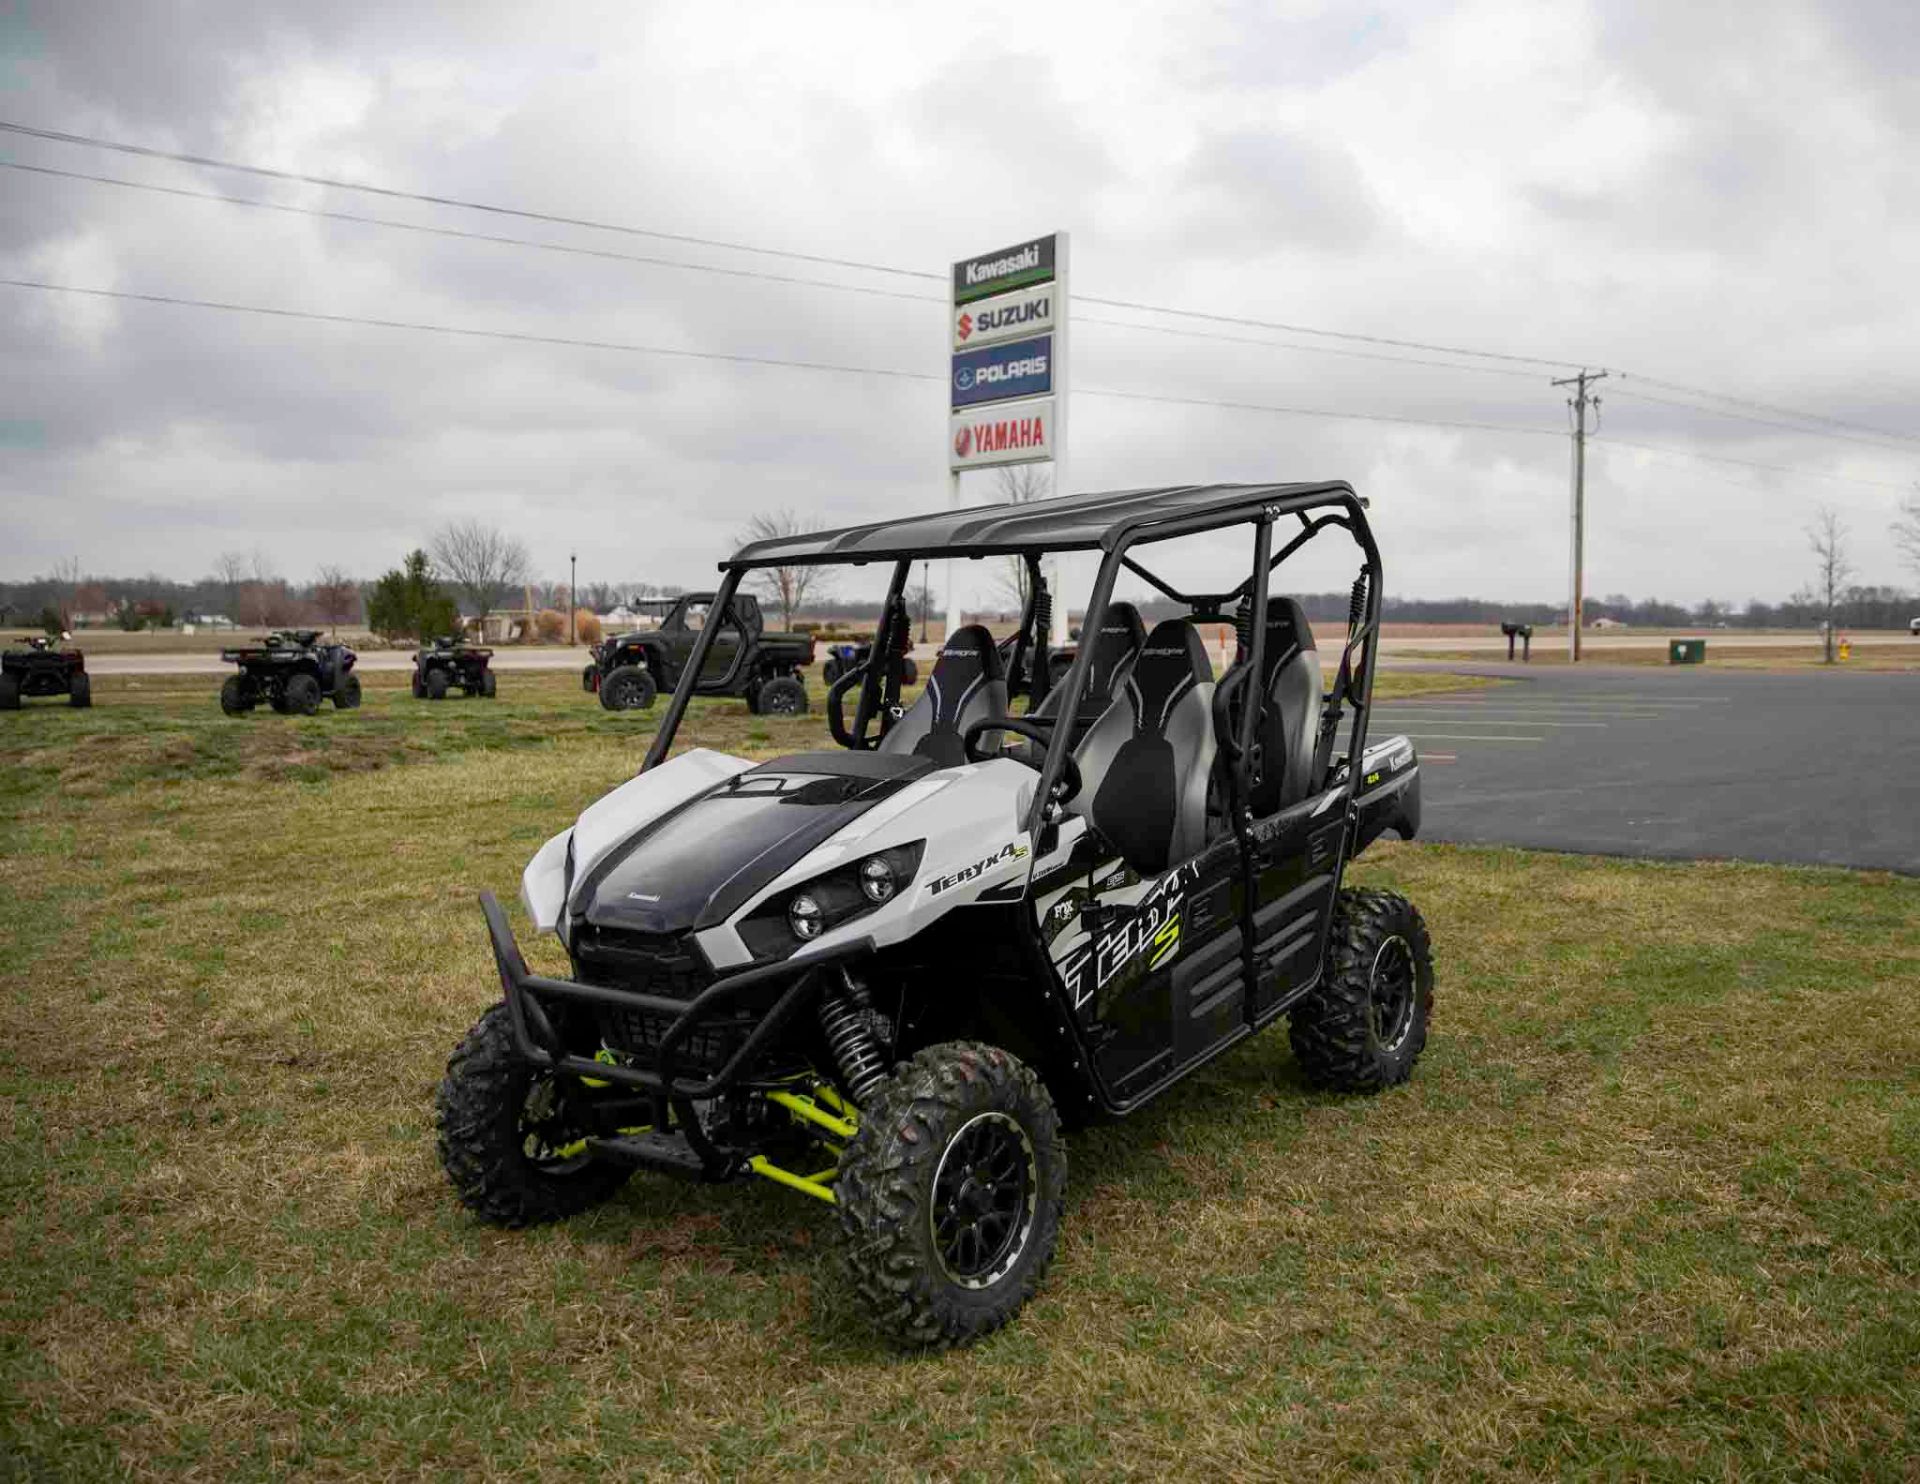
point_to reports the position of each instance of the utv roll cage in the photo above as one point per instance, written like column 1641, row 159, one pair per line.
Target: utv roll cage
column 1115, row 524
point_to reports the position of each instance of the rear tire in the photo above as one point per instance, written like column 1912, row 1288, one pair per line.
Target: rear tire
column 629, row 688
column 233, row 696
column 589, row 679
column 418, row 686
column 346, row 695
column 487, row 685
column 80, row 692
column 302, row 695
column 909, row 672
column 436, row 685
column 781, row 696
column 830, row 671
column 1364, row 1026
column 950, row 1195
column 9, row 693
column 500, row 1124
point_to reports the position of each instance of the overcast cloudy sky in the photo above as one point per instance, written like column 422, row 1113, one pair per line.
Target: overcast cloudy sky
column 1717, row 195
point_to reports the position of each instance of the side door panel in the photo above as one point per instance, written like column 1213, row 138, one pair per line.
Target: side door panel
column 1297, row 861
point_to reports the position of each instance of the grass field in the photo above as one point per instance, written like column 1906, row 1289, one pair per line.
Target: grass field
column 1651, row 1204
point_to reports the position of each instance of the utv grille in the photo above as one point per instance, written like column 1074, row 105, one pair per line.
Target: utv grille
column 657, row 964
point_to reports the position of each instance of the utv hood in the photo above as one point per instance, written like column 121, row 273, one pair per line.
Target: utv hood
column 699, row 864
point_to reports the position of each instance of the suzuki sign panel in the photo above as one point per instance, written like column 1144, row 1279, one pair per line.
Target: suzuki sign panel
column 999, row 373
column 1004, row 317
column 1005, row 433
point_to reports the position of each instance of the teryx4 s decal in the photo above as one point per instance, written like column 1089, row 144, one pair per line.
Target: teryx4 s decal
column 1013, row 850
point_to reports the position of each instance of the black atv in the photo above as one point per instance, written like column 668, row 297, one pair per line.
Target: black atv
column 843, row 657
column 450, row 662
column 36, row 668
column 293, row 672
column 889, row 976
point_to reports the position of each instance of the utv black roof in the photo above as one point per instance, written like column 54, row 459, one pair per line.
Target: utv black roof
column 1065, row 523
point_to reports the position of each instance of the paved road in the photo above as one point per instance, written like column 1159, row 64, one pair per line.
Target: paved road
column 1809, row 767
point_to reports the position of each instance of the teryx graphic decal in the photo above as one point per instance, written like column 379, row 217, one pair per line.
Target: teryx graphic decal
column 1146, row 939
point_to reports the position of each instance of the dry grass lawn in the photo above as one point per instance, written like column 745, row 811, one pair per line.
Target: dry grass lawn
column 1651, row 1204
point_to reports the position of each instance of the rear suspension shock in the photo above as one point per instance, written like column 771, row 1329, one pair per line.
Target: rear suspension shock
column 847, row 1020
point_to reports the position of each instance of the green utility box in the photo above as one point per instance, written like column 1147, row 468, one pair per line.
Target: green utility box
column 1687, row 652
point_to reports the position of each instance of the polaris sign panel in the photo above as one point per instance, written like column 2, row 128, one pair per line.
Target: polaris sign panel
column 1008, row 268
column 1000, row 373
column 1003, row 317
column 1005, row 433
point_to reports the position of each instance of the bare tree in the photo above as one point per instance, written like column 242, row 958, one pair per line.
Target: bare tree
column 1906, row 530
column 1827, row 539
column 335, row 595
column 230, row 571
column 789, row 587
column 65, row 578
column 1018, row 484
column 482, row 561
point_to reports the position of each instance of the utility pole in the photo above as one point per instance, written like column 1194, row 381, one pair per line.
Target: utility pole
column 1579, row 402
column 573, row 597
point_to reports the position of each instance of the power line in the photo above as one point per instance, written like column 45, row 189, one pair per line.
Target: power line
column 456, row 232
column 179, row 157
column 1365, row 417
column 1720, row 458
column 1693, row 391
column 520, row 336
column 1318, row 350
column 1748, row 417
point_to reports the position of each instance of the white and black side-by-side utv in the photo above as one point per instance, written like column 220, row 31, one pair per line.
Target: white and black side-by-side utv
column 886, row 975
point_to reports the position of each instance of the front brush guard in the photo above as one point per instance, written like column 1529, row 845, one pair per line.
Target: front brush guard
column 536, row 1040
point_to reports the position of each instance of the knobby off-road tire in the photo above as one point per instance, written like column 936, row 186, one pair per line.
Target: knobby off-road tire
column 80, row 691
column 346, row 695
column 233, row 696
column 488, row 685
column 303, row 695
column 781, row 696
column 1365, row 1025
column 9, row 693
column 588, row 677
column 418, row 686
column 950, row 1195
column 629, row 688
column 436, row 685
column 489, row 1143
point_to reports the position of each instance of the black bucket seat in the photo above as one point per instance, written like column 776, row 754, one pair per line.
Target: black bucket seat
column 1115, row 647
column 1289, row 724
column 968, row 684
column 1145, row 764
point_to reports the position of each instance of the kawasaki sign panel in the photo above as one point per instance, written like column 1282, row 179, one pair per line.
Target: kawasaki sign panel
column 1005, row 433
column 1004, row 317
column 999, row 373
column 1009, row 268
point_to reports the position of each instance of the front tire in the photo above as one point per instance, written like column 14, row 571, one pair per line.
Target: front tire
column 502, row 1130
column 436, row 685
column 1365, row 1025
column 9, row 693
column 781, row 696
column 950, row 1195
column 346, row 695
column 487, row 685
column 629, row 688
column 302, row 695
column 234, row 699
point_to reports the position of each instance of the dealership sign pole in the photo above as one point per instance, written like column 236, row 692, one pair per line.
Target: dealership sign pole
column 1007, row 373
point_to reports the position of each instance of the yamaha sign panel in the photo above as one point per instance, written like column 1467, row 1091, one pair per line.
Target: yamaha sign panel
column 1007, row 342
column 1005, row 433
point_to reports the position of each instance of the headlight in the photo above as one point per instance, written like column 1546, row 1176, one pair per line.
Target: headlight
column 805, row 917
column 814, row 908
column 876, row 878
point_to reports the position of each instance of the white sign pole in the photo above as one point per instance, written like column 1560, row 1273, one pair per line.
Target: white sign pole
column 953, row 577
column 1060, row 399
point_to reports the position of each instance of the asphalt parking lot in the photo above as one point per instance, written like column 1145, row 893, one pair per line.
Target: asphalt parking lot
column 1808, row 768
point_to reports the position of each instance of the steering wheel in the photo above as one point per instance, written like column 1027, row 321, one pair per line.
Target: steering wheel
column 1036, row 729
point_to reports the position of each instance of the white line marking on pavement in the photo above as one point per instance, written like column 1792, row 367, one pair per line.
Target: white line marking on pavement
column 1470, row 737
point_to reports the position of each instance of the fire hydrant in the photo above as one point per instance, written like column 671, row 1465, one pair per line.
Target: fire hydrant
column 1846, row 647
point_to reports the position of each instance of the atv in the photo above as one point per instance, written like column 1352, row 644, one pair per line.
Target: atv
column 842, row 658
column 448, row 662
column 293, row 672
column 36, row 668
column 888, row 976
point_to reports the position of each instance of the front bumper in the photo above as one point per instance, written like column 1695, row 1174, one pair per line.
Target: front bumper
column 528, row 996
